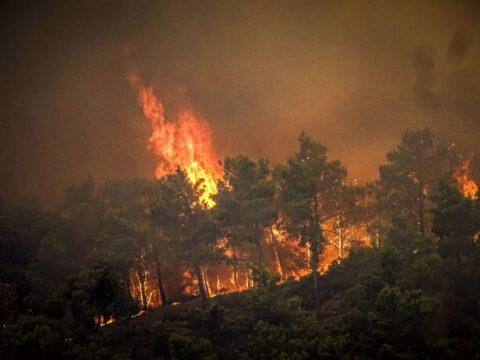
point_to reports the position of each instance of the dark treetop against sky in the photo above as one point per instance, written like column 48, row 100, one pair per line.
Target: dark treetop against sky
column 353, row 74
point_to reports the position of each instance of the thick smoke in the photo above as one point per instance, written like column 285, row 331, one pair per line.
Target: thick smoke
column 424, row 63
column 353, row 74
column 458, row 48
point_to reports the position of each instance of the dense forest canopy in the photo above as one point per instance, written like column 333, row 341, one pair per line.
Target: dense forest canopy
column 333, row 269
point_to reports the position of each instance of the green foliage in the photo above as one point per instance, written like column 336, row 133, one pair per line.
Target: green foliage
column 245, row 202
column 182, row 220
column 404, row 298
column 453, row 222
column 312, row 190
column 310, row 185
column 160, row 334
column 188, row 348
column 179, row 344
column 403, row 236
column 211, row 318
column 31, row 337
column 98, row 293
column 402, row 315
column 21, row 232
column 90, row 351
column 263, row 277
column 411, row 176
column 48, row 277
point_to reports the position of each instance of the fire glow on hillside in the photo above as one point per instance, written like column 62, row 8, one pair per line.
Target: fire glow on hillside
column 185, row 142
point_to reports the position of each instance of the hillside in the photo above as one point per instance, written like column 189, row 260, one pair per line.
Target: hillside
column 379, row 303
column 388, row 270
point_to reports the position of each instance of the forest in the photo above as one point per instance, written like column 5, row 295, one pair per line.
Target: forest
column 288, row 261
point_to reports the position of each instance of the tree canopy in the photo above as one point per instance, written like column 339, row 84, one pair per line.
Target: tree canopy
column 333, row 269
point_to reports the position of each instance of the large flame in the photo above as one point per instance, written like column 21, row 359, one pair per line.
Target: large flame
column 467, row 186
column 184, row 142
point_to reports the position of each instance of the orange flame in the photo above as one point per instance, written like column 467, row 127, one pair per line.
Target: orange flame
column 465, row 182
column 101, row 321
column 184, row 142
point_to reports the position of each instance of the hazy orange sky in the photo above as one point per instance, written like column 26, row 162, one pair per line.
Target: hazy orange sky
column 352, row 74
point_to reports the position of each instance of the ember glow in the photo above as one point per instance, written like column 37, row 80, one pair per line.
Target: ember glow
column 184, row 142
column 465, row 183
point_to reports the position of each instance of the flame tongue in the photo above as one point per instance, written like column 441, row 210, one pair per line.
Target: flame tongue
column 185, row 142
column 465, row 183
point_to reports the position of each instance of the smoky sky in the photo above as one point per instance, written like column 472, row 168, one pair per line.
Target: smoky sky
column 352, row 74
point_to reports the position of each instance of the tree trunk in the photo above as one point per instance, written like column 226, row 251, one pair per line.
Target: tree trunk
column 275, row 245
column 235, row 270
column 126, row 277
column 258, row 239
column 458, row 259
column 143, row 291
column 201, row 286
column 316, row 231
column 314, row 266
column 160, row 284
column 219, row 284
column 260, row 255
column 340, row 245
column 421, row 212
column 247, row 272
column 206, row 284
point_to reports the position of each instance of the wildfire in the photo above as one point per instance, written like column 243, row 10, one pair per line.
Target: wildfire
column 465, row 182
column 184, row 142
column 289, row 259
column 101, row 320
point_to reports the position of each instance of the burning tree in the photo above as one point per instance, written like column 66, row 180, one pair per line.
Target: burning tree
column 125, row 238
column 310, row 196
column 411, row 176
column 245, row 205
column 454, row 222
column 312, row 192
column 184, row 221
column 94, row 296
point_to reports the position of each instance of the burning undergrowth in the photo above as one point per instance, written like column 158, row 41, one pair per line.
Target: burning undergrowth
column 183, row 141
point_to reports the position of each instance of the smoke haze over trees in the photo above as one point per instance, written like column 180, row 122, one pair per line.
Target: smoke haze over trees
column 352, row 74
column 302, row 183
